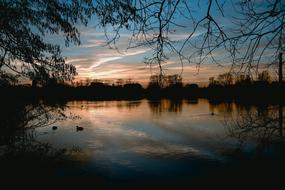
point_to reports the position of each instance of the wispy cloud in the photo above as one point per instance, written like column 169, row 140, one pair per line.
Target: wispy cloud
column 94, row 59
column 103, row 60
column 113, row 55
column 93, row 43
column 70, row 60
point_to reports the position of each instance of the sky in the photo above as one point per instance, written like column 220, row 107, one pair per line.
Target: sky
column 94, row 59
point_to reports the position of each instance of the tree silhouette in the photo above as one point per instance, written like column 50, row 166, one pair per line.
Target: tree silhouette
column 23, row 26
column 251, row 37
column 264, row 76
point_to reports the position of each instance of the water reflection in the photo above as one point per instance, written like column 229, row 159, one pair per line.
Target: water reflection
column 223, row 108
column 21, row 153
column 17, row 119
column 263, row 124
column 165, row 105
column 147, row 140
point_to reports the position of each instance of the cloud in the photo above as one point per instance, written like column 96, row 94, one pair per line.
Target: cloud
column 75, row 60
column 95, row 60
column 93, row 43
column 113, row 55
column 104, row 60
column 183, row 36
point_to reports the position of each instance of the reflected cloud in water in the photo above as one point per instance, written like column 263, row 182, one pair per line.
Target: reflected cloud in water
column 127, row 139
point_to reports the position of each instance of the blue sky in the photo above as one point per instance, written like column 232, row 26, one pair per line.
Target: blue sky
column 96, row 60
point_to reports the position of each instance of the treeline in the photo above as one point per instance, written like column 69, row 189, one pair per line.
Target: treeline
column 245, row 87
column 223, row 87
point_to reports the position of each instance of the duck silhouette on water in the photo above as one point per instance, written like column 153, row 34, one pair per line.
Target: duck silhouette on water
column 79, row 128
column 54, row 128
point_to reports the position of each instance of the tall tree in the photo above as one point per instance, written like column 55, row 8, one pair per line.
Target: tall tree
column 23, row 26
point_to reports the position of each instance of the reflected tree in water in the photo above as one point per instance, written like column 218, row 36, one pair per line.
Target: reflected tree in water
column 128, row 104
column 221, row 107
column 264, row 126
column 20, row 151
column 19, row 119
column 165, row 105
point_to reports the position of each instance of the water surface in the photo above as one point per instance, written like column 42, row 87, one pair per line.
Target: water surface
column 161, row 140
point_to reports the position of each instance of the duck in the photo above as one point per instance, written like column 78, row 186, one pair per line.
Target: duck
column 54, row 127
column 79, row 128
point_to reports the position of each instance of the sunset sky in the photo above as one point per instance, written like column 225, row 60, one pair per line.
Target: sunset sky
column 94, row 59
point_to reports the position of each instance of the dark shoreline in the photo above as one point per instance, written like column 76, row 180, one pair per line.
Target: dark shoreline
column 255, row 93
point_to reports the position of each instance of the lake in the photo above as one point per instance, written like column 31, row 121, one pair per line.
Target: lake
column 164, row 140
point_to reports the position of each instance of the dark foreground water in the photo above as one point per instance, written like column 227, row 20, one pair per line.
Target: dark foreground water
column 158, row 142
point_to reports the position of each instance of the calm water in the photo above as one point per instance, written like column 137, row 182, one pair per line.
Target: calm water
column 167, row 140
